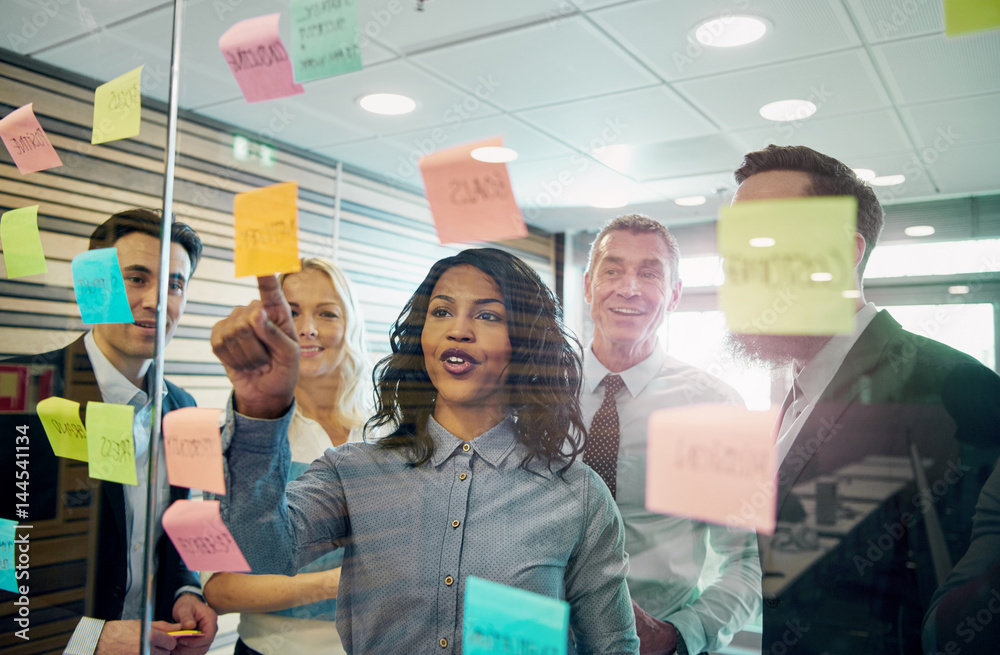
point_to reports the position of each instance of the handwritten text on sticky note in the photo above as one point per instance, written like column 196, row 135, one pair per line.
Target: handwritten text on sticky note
column 118, row 108
column 789, row 265
column 202, row 539
column 325, row 38
column 99, row 287
column 110, row 446
column 258, row 59
column 968, row 16
column 267, row 230
column 470, row 200
column 26, row 141
column 502, row 619
column 8, row 555
column 193, row 449
column 22, row 246
column 61, row 420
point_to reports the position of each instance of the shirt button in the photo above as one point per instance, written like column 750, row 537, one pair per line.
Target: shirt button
column 466, row 447
column 462, row 476
column 455, row 523
column 443, row 642
column 449, row 581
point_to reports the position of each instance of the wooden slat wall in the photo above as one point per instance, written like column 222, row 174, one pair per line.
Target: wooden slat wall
column 387, row 238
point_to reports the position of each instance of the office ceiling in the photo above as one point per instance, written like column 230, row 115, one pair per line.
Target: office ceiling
column 599, row 97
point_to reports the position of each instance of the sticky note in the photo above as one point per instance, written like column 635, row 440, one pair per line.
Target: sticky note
column 201, row 538
column 22, row 246
column 967, row 16
column 8, row 555
column 99, row 287
column 26, row 141
column 713, row 463
column 789, row 265
column 110, row 446
column 267, row 230
column 118, row 108
column 470, row 200
column 502, row 619
column 63, row 427
column 192, row 445
column 258, row 59
column 325, row 38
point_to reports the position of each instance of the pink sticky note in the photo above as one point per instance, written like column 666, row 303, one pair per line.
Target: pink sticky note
column 201, row 538
column 258, row 59
column 471, row 200
column 26, row 141
column 193, row 448
column 713, row 463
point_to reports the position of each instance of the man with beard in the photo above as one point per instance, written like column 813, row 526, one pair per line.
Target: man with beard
column 876, row 395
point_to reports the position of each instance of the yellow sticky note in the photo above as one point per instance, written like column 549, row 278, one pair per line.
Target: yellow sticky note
column 109, row 442
column 967, row 16
column 267, row 230
column 22, row 246
column 789, row 265
column 118, row 108
column 61, row 420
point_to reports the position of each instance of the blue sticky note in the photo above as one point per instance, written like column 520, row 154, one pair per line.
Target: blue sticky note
column 7, row 555
column 502, row 619
column 100, row 289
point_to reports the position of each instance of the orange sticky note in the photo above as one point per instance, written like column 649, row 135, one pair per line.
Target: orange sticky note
column 26, row 141
column 471, row 200
column 267, row 230
column 61, row 421
column 110, row 445
column 713, row 463
column 193, row 448
column 257, row 57
column 201, row 538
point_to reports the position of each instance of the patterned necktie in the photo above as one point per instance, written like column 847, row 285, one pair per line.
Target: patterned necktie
column 601, row 453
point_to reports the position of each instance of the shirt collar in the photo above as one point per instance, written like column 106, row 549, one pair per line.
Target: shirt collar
column 115, row 388
column 816, row 375
column 635, row 378
column 493, row 445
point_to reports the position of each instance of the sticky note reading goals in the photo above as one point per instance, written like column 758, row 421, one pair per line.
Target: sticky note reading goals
column 258, row 59
column 201, row 538
column 26, row 141
column 100, row 288
column 22, row 246
column 502, row 619
column 118, row 108
column 193, row 449
column 61, row 420
column 110, row 446
column 267, row 230
column 789, row 265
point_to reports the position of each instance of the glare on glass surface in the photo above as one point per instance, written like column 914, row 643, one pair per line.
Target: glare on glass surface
column 388, row 104
column 939, row 258
column 690, row 201
column 958, row 290
column 864, row 174
column 821, row 276
column 730, row 31
column 701, row 271
column 887, row 180
column 965, row 327
column 494, row 154
column 788, row 110
column 851, row 293
column 761, row 242
column 919, row 231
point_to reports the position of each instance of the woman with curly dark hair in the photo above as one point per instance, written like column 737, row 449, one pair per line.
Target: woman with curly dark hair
column 477, row 476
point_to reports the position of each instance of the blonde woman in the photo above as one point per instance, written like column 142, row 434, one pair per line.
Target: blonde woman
column 282, row 614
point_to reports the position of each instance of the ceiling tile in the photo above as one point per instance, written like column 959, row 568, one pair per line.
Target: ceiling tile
column 569, row 181
column 888, row 20
column 963, row 121
column 936, row 67
column 644, row 116
column 661, row 33
column 918, row 183
column 966, row 169
column 683, row 157
column 542, row 65
column 529, row 143
column 34, row 26
column 390, row 161
column 709, row 185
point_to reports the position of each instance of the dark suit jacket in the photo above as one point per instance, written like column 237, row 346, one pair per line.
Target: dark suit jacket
column 107, row 577
column 894, row 388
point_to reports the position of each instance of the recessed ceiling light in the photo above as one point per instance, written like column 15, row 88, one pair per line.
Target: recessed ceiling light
column 494, row 154
column 730, row 31
column 761, row 242
column 864, row 174
column 389, row 104
column 919, row 231
column 690, row 201
column 788, row 110
column 821, row 277
column 608, row 200
column 958, row 290
column 887, row 180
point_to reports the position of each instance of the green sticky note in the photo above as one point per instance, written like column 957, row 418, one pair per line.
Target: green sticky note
column 967, row 16
column 325, row 38
column 61, row 420
column 789, row 265
column 118, row 108
column 8, row 555
column 502, row 619
column 22, row 247
column 110, row 447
